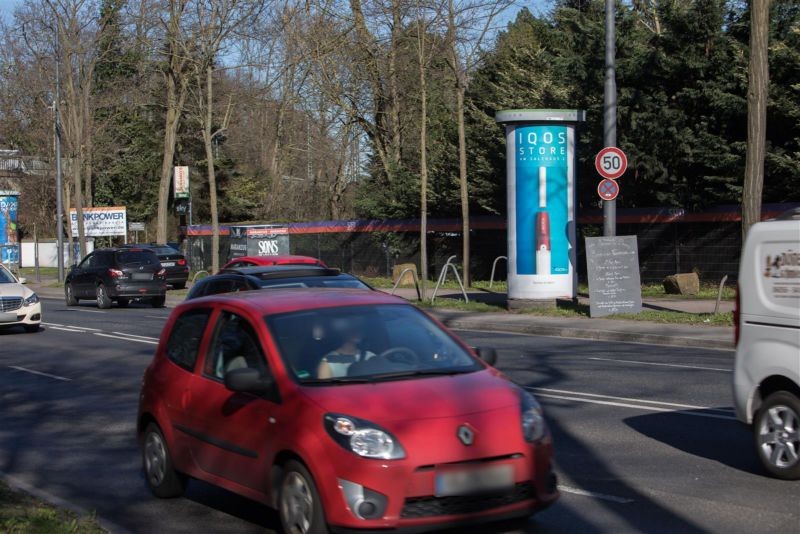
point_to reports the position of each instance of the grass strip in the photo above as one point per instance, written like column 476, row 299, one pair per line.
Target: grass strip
column 21, row 513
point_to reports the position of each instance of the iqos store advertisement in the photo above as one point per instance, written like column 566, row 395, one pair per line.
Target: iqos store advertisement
column 540, row 175
column 9, row 245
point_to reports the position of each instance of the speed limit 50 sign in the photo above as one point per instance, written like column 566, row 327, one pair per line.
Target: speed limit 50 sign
column 611, row 162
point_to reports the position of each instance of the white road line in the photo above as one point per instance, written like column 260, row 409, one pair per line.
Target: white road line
column 601, row 496
column 134, row 335
column 52, row 324
column 671, row 404
column 640, row 407
column 48, row 375
column 127, row 338
column 87, row 311
column 664, row 364
column 68, row 329
column 82, row 328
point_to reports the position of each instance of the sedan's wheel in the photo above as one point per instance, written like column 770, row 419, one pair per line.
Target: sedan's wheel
column 777, row 435
column 69, row 295
column 158, row 302
column 162, row 478
column 179, row 285
column 299, row 506
column 123, row 302
column 103, row 300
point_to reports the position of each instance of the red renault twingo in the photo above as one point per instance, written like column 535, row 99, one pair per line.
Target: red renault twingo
column 343, row 409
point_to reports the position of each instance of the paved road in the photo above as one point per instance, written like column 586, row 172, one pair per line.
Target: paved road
column 645, row 437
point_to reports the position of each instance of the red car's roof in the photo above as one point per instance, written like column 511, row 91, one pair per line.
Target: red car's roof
column 288, row 300
column 288, row 259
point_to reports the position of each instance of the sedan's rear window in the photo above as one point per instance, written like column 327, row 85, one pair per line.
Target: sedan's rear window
column 164, row 251
column 136, row 257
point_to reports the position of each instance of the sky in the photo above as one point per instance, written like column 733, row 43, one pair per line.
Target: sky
column 7, row 7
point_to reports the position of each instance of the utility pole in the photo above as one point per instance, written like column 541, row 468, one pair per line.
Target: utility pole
column 610, row 113
column 59, row 187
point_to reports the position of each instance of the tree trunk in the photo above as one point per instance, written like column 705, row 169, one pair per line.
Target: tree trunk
column 757, row 92
column 423, row 177
column 462, row 180
column 212, row 179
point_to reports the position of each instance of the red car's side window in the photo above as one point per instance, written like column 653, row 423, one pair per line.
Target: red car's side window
column 184, row 340
column 235, row 345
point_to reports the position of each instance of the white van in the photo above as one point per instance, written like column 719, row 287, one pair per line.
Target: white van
column 766, row 381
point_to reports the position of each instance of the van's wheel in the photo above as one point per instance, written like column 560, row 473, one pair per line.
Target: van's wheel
column 161, row 476
column 158, row 302
column 299, row 505
column 777, row 434
column 103, row 300
column 69, row 295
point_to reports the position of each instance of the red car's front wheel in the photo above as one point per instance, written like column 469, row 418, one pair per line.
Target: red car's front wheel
column 300, row 507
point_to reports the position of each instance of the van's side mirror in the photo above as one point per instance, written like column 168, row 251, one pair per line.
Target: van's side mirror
column 247, row 380
column 487, row 354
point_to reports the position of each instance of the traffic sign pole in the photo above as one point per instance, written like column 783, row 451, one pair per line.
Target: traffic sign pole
column 610, row 112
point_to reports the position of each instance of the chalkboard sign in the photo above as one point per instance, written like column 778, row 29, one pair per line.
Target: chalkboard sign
column 613, row 267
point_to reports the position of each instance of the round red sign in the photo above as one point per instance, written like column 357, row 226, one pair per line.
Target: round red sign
column 608, row 189
column 611, row 162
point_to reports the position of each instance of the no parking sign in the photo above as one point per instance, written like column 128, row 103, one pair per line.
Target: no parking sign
column 608, row 189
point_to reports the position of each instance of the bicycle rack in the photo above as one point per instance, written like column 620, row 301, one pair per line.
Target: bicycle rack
column 443, row 276
column 719, row 294
column 494, row 264
column 416, row 281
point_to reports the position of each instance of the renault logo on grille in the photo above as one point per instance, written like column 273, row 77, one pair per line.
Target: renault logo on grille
column 466, row 435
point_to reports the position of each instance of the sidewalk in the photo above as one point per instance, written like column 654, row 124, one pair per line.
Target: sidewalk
column 714, row 337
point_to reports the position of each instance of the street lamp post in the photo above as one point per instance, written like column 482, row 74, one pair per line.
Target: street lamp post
column 59, row 187
column 610, row 112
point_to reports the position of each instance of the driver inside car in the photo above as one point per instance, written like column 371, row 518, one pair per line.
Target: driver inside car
column 336, row 362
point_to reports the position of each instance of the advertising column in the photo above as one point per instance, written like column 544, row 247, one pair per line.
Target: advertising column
column 540, row 177
column 9, row 245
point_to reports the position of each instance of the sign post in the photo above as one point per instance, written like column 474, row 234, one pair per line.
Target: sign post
column 540, row 177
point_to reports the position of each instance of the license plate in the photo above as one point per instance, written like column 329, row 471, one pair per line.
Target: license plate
column 469, row 481
column 168, row 264
column 142, row 276
column 8, row 317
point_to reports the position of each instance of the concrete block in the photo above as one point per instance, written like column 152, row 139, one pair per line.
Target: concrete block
column 408, row 278
column 682, row 284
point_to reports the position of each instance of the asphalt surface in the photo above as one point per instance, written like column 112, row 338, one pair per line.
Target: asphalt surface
column 645, row 436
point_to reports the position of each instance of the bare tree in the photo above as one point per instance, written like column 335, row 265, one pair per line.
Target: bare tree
column 757, row 92
column 215, row 19
column 468, row 24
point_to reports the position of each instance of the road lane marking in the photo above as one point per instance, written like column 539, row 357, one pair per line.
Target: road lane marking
column 628, row 399
column 40, row 373
column 664, row 364
column 640, row 407
column 134, row 335
column 601, row 496
column 68, row 329
column 87, row 311
column 127, row 338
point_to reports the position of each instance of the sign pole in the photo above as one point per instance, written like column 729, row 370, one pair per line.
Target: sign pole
column 610, row 114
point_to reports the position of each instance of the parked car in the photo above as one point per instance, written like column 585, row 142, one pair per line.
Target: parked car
column 172, row 260
column 19, row 306
column 117, row 275
column 252, row 261
column 766, row 381
column 343, row 409
column 273, row 276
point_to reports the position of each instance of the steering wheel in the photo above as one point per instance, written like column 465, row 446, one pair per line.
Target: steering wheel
column 402, row 355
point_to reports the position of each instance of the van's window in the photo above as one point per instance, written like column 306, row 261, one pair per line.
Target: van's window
column 184, row 340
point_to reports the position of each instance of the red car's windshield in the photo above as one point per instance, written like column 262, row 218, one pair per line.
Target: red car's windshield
column 365, row 343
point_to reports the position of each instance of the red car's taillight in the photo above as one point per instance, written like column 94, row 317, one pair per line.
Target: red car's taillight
column 116, row 273
column 736, row 316
column 181, row 262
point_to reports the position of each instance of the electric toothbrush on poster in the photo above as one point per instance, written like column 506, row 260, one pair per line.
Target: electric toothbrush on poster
column 543, row 251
